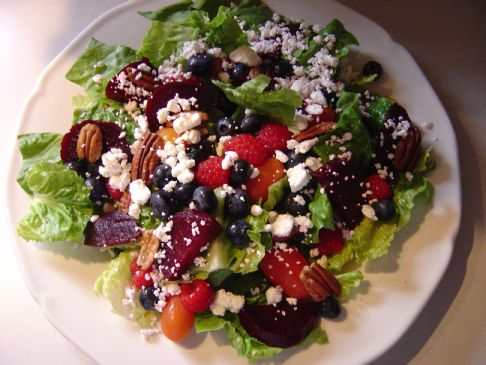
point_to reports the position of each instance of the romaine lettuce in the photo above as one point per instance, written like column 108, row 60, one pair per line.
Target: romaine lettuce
column 278, row 105
column 61, row 207
column 225, row 32
column 112, row 284
column 320, row 209
column 34, row 148
column 276, row 192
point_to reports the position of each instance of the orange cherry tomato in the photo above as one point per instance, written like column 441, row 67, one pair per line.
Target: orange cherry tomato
column 271, row 171
column 176, row 321
column 167, row 134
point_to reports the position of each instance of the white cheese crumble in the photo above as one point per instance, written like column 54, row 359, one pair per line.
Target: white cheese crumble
column 282, row 157
column 298, row 177
column 274, row 295
column 256, row 210
column 229, row 160
column 186, row 121
column 134, row 210
column 224, row 301
column 139, row 192
column 369, row 212
column 283, row 225
column 116, row 167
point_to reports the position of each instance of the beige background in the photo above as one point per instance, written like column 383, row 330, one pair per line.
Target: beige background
column 448, row 40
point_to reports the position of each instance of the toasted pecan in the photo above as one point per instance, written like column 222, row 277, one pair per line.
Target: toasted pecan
column 314, row 131
column 90, row 143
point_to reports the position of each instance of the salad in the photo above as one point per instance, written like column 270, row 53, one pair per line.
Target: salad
column 239, row 168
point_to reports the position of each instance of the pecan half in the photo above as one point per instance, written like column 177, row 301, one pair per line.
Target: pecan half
column 90, row 143
column 319, row 282
column 142, row 78
column 124, row 204
column 146, row 160
column 314, row 131
column 150, row 244
column 408, row 150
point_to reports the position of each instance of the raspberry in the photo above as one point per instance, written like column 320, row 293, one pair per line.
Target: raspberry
column 210, row 173
column 274, row 136
column 196, row 296
column 248, row 148
column 330, row 242
column 378, row 187
column 114, row 193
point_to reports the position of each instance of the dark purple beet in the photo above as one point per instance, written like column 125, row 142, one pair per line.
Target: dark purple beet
column 114, row 91
column 342, row 180
column 111, row 133
column 283, row 325
column 111, row 230
column 185, row 89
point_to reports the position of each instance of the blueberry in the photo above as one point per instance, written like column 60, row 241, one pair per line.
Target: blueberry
column 183, row 192
column 78, row 166
column 292, row 204
column 330, row 308
column 148, row 298
column 225, row 127
column 161, row 204
column 282, row 68
column 373, row 68
column 238, row 204
column 200, row 64
column 98, row 189
column 205, row 199
column 201, row 151
column 240, row 172
column 251, row 123
column 331, row 97
column 384, row 209
column 236, row 232
column 294, row 159
column 238, row 73
column 162, row 175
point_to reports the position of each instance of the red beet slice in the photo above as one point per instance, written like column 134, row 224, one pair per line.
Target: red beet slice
column 342, row 181
column 111, row 133
column 283, row 325
column 192, row 230
column 132, row 83
column 185, row 89
column 112, row 229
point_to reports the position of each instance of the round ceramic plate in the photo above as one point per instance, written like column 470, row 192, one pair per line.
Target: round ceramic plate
column 397, row 286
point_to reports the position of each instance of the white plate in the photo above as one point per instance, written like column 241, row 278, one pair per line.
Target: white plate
column 397, row 287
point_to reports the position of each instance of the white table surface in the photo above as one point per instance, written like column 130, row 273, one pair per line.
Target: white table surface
column 448, row 40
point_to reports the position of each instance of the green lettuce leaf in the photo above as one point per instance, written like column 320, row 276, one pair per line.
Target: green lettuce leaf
column 321, row 212
column 224, row 31
column 349, row 121
column 253, row 13
column 99, row 59
column 344, row 40
column 147, row 220
column 111, row 285
column 164, row 38
column 276, row 192
column 373, row 239
column 278, row 105
column 171, row 13
column 61, row 207
column 348, row 281
column 256, row 232
column 378, row 109
column 34, row 148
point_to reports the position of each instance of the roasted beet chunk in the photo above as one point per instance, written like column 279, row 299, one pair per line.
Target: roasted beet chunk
column 112, row 229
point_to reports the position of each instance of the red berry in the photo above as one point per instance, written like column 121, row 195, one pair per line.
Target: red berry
column 141, row 278
column 248, row 148
column 378, row 187
column 274, row 136
column 330, row 242
column 133, row 265
column 114, row 193
column 196, row 296
column 210, row 173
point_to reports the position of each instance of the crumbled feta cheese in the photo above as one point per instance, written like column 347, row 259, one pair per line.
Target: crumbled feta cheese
column 304, row 223
column 282, row 157
column 369, row 212
column 298, row 177
column 134, row 210
column 313, row 163
column 139, row 192
column 186, row 121
column 283, row 225
column 229, row 160
column 224, row 301
column 274, row 295
column 256, row 210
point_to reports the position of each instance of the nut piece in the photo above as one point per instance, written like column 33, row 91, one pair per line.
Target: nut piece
column 124, row 204
column 90, row 143
column 142, row 78
column 319, row 282
column 146, row 160
column 246, row 56
column 314, row 131
column 150, row 244
column 408, row 150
